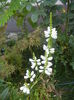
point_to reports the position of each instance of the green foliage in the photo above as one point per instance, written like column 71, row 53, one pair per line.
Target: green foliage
column 71, row 43
column 71, row 18
column 14, row 5
column 63, row 66
column 15, row 60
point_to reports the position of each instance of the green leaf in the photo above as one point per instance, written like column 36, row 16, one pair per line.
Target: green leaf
column 72, row 6
column 4, row 94
column 34, row 18
column 28, row 7
column 72, row 64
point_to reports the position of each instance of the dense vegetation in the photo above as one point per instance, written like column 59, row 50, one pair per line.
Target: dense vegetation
column 15, row 54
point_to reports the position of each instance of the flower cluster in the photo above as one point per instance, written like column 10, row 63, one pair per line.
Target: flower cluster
column 42, row 65
column 25, row 88
column 35, row 63
column 30, row 75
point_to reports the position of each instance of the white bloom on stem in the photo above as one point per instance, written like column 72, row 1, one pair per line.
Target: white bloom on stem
column 50, row 58
column 40, row 71
column 27, row 74
column 41, row 67
column 47, row 32
column 25, row 88
column 32, row 76
column 43, row 62
column 46, row 49
column 42, row 57
column 54, row 33
column 48, row 71
column 34, row 63
column 36, row 68
column 38, row 62
column 49, row 64
column 52, row 50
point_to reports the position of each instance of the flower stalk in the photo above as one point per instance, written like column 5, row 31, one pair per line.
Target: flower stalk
column 41, row 66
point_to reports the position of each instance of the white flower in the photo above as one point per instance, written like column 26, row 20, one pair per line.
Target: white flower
column 41, row 71
column 38, row 62
column 32, row 73
column 46, row 33
column 43, row 62
column 54, row 33
column 25, row 89
column 42, row 57
column 50, row 58
column 48, row 71
column 41, row 67
column 46, row 49
column 49, row 64
column 31, row 60
column 27, row 74
column 52, row 50
column 33, row 65
column 32, row 76
column 36, row 68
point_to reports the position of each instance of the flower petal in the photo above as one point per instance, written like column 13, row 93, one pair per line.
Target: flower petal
column 40, row 71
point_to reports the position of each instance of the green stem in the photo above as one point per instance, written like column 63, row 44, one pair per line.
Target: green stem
column 37, row 80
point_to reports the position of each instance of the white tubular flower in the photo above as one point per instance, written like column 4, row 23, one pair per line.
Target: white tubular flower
column 41, row 67
column 43, row 62
column 46, row 49
column 25, row 88
column 49, row 64
column 52, row 50
column 40, row 71
column 32, row 76
column 34, row 63
column 42, row 57
column 48, row 71
column 54, row 33
column 38, row 62
column 50, row 58
column 47, row 33
column 27, row 74
column 36, row 68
